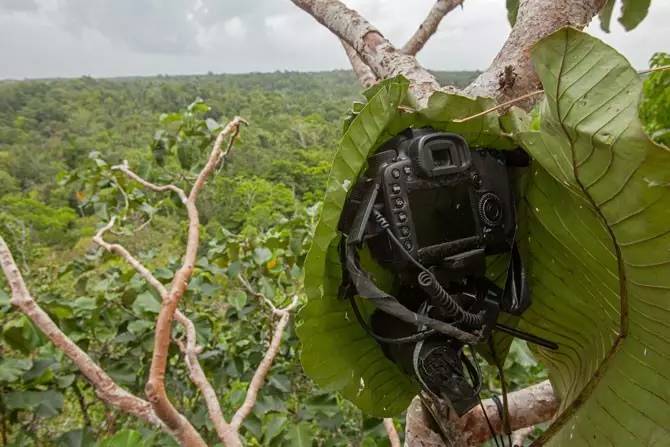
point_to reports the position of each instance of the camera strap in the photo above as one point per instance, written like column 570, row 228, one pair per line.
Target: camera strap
column 363, row 286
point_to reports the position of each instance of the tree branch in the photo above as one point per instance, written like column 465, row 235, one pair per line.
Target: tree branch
column 190, row 349
column 428, row 27
column 104, row 386
column 392, row 433
column 527, row 407
column 511, row 73
column 375, row 50
column 155, row 387
column 364, row 73
column 263, row 368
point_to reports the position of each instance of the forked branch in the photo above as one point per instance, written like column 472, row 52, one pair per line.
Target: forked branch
column 189, row 347
column 258, row 380
column 375, row 50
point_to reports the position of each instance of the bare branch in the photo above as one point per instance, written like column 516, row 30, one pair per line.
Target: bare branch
column 155, row 387
column 511, row 73
column 261, row 373
column 375, row 50
column 428, row 27
column 258, row 295
column 364, row 74
column 392, row 433
column 157, row 188
column 190, row 348
column 527, row 407
column 104, row 386
column 226, row 434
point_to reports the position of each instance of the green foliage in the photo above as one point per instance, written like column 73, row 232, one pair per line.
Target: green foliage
column 595, row 213
column 655, row 104
column 257, row 215
column 632, row 13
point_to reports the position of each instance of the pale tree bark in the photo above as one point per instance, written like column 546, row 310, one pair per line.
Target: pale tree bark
column 258, row 380
column 106, row 389
column 364, row 73
column 527, row 407
column 391, row 432
column 155, row 387
column 429, row 26
column 511, row 73
column 375, row 50
column 190, row 349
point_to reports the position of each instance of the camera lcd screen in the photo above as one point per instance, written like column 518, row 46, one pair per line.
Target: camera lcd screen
column 442, row 214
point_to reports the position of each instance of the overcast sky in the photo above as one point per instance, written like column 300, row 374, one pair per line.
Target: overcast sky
column 57, row 38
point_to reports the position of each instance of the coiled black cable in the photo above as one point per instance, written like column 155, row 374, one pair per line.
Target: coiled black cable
column 444, row 301
column 430, row 285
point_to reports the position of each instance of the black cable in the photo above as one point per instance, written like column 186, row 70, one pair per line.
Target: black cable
column 488, row 422
column 505, row 415
column 429, row 283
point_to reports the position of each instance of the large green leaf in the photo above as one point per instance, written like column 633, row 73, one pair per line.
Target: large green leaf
column 597, row 247
column 336, row 351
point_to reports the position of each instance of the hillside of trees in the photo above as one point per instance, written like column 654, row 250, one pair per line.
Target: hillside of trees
column 58, row 139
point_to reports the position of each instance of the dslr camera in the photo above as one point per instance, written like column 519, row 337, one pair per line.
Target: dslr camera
column 430, row 210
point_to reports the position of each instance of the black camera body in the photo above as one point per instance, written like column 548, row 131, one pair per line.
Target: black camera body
column 448, row 205
column 430, row 210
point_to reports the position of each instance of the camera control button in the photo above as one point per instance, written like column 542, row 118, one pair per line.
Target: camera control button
column 395, row 188
column 395, row 173
column 404, row 230
column 402, row 217
column 407, row 245
column 398, row 202
column 407, row 170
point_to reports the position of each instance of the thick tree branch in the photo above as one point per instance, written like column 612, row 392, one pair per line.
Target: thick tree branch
column 429, row 26
column 364, row 74
column 375, row 50
column 511, row 73
column 104, row 386
column 527, row 407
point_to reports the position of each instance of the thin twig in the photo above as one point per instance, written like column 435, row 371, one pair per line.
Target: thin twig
column 253, row 292
column 392, row 433
column 499, row 106
column 654, row 69
column 261, row 373
column 147, row 184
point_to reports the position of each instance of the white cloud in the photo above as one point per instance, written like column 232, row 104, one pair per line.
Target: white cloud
column 235, row 28
column 143, row 37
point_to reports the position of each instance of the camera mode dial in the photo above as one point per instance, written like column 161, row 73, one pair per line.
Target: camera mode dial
column 490, row 209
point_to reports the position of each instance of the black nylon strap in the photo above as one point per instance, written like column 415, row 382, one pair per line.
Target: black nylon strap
column 389, row 304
